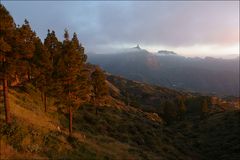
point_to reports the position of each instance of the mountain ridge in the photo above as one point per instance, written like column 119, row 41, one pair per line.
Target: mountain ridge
column 174, row 71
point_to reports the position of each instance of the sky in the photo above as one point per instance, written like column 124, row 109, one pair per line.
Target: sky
column 189, row 28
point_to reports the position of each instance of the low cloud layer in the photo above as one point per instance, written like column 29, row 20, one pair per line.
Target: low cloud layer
column 103, row 25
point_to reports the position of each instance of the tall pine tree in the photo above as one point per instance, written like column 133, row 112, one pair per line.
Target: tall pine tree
column 53, row 46
column 181, row 108
column 204, row 108
column 7, row 56
column 99, row 87
column 25, row 47
column 68, row 69
column 42, row 68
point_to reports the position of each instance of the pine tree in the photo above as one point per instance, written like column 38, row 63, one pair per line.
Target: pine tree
column 169, row 111
column 54, row 49
column 68, row 70
column 84, row 86
column 99, row 87
column 53, row 46
column 127, row 99
column 42, row 69
column 204, row 108
column 181, row 108
column 25, row 47
column 7, row 56
column 79, row 48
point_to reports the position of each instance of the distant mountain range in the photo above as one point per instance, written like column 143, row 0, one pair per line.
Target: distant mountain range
column 166, row 68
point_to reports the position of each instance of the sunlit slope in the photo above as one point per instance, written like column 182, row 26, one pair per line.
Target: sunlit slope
column 117, row 132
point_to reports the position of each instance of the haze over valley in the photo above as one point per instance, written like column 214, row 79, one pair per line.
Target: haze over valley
column 207, row 75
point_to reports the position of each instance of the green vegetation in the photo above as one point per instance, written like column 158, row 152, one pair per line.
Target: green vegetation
column 99, row 87
column 54, row 97
column 57, row 69
column 117, row 132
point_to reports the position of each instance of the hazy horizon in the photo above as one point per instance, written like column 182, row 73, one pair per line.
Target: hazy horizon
column 192, row 29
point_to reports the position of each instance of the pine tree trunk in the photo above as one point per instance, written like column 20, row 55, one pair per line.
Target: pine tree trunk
column 96, row 110
column 127, row 100
column 28, row 75
column 70, row 120
column 94, row 103
column 45, row 101
column 6, row 101
column 42, row 96
column 29, row 72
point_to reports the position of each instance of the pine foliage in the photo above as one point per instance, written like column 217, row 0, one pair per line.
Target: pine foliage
column 56, row 68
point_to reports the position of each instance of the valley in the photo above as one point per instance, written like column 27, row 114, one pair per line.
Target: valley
column 209, row 76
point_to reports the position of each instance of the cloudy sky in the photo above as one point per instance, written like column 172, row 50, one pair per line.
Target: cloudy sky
column 188, row 28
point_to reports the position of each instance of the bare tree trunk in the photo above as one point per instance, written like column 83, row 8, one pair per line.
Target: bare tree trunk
column 6, row 101
column 45, row 101
column 70, row 120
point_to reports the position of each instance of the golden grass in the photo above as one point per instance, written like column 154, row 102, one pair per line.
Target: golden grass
column 28, row 109
column 8, row 152
column 39, row 119
column 111, row 147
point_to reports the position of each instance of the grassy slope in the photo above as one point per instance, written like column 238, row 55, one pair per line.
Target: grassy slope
column 141, row 95
column 117, row 132
column 215, row 137
column 34, row 133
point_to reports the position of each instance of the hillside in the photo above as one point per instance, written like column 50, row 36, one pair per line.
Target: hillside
column 117, row 132
column 142, row 95
column 171, row 70
column 35, row 133
column 55, row 105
